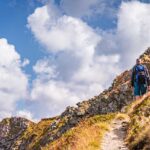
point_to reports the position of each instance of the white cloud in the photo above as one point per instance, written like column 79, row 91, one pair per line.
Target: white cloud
column 73, row 72
column 5, row 114
column 133, row 33
column 108, row 59
column 61, row 33
column 45, row 69
column 25, row 114
column 51, row 97
column 9, row 55
column 83, row 61
column 131, row 37
column 13, row 81
column 25, row 62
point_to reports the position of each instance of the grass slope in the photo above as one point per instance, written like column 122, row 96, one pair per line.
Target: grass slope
column 85, row 136
column 138, row 137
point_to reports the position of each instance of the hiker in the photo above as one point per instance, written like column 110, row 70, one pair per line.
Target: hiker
column 140, row 79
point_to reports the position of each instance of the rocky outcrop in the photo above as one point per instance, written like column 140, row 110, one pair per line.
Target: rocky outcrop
column 10, row 131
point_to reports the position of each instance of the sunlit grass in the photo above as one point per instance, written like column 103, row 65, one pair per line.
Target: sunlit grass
column 87, row 135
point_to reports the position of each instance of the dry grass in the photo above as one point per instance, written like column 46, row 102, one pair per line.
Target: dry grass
column 36, row 131
column 122, row 116
column 142, row 140
column 135, row 104
column 138, row 133
column 87, row 135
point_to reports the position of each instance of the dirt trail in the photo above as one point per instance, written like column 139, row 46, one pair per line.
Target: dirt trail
column 114, row 138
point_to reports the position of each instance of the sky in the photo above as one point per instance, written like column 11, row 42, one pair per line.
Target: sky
column 55, row 53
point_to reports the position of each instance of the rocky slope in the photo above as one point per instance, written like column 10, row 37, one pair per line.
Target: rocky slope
column 10, row 131
column 19, row 133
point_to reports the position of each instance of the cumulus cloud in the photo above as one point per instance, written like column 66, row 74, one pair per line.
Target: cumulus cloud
column 82, row 61
column 131, row 37
column 13, row 81
column 25, row 114
column 50, row 98
column 133, row 32
column 73, row 71
column 25, row 62
column 57, row 29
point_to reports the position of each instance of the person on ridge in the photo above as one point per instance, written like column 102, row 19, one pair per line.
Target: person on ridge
column 140, row 79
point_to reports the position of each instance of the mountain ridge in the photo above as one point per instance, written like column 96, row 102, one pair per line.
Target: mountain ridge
column 37, row 136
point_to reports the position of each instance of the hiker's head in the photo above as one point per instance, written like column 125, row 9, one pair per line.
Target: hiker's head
column 138, row 61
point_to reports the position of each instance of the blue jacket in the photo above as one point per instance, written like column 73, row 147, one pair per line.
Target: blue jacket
column 133, row 76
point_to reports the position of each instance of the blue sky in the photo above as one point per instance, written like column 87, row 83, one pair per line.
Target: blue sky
column 13, row 23
column 74, row 50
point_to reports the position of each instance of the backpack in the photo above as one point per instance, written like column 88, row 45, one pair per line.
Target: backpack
column 140, row 74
